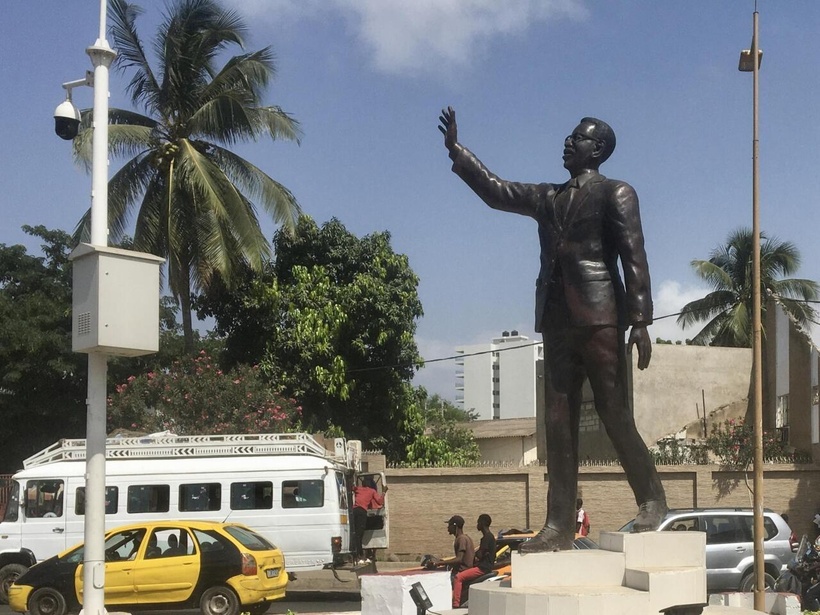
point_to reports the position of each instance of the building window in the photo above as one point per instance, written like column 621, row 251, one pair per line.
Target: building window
column 781, row 419
column 589, row 417
column 782, row 415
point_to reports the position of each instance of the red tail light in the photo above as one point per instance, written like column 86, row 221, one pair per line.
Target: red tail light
column 248, row 565
column 336, row 544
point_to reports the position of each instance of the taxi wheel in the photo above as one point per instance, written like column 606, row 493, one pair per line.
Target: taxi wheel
column 217, row 601
column 47, row 601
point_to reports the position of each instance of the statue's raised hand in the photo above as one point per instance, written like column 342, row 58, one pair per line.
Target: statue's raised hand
column 448, row 127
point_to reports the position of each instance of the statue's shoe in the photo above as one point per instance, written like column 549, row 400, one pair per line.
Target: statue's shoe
column 650, row 515
column 548, row 539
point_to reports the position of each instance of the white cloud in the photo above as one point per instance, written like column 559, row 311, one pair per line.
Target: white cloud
column 429, row 36
column 669, row 299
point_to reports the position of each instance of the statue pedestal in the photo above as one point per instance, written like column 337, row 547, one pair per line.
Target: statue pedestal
column 632, row 574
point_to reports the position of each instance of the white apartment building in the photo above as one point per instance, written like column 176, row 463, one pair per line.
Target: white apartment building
column 499, row 380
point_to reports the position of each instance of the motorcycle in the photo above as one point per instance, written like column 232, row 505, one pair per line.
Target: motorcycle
column 802, row 575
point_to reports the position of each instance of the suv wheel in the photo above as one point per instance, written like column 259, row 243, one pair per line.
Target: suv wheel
column 747, row 583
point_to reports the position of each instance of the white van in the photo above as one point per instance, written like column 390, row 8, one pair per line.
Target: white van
column 286, row 486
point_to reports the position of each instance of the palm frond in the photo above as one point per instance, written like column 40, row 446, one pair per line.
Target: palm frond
column 143, row 87
column 259, row 187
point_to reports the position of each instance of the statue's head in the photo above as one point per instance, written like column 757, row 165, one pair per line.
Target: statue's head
column 589, row 145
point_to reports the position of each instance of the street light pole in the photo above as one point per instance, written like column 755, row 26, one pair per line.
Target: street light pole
column 101, row 56
column 750, row 61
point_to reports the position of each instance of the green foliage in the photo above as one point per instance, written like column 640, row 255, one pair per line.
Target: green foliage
column 727, row 310
column 331, row 321
column 445, row 441
column 195, row 200
column 732, row 443
column 42, row 382
column 438, row 410
column 196, row 397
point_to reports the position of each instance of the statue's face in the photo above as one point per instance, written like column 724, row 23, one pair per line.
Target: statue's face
column 581, row 149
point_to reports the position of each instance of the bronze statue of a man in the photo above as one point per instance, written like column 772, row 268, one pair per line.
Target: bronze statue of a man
column 582, row 309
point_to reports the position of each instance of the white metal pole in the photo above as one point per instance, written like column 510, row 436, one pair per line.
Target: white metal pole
column 757, row 339
column 101, row 56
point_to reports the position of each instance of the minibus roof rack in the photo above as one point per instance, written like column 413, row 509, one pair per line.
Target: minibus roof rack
column 166, row 446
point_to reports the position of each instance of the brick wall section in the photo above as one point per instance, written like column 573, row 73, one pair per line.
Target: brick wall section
column 421, row 500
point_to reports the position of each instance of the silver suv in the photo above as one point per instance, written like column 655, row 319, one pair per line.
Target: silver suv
column 729, row 547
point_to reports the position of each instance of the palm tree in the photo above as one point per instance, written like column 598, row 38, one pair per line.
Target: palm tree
column 727, row 310
column 195, row 199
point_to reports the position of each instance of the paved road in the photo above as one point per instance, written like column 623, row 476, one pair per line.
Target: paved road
column 297, row 602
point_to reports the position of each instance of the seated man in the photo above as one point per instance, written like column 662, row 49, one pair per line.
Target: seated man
column 463, row 549
column 484, row 559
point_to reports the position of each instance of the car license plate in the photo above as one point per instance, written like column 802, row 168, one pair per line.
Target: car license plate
column 272, row 572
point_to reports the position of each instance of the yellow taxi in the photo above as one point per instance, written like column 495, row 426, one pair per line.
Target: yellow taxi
column 220, row 568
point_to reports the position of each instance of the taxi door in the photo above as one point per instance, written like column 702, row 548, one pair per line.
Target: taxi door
column 122, row 553
column 168, row 569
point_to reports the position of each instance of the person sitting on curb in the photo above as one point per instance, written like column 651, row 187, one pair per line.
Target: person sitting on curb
column 484, row 559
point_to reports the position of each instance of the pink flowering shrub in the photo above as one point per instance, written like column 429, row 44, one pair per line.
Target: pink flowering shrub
column 194, row 396
column 732, row 443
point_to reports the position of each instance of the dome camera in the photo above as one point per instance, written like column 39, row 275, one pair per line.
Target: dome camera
column 66, row 120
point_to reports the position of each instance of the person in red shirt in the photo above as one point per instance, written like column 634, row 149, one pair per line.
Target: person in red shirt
column 365, row 496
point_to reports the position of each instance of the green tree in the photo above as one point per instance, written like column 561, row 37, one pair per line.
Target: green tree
column 331, row 321
column 195, row 199
column 194, row 396
column 42, row 382
column 439, row 410
column 445, row 441
column 727, row 310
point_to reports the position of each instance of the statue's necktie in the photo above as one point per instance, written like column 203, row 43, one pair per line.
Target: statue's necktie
column 565, row 198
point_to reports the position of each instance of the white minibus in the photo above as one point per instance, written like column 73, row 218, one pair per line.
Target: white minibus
column 288, row 487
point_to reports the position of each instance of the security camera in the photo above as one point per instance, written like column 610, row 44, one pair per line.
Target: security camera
column 66, row 120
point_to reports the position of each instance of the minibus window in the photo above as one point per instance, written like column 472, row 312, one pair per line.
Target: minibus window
column 303, row 493
column 44, row 498
column 13, row 503
column 111, row 495
column 148, row 498
column 252, row 496
column 200, row 496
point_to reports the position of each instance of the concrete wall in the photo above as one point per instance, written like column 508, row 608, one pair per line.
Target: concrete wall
column 669, row 393
column 421, row 500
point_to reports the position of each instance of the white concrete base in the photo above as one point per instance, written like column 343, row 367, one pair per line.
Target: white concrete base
column 632, row 574
column 776, row 603
column 389, row 593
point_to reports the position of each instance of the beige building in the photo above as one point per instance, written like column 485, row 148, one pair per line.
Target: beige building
column 506, row 441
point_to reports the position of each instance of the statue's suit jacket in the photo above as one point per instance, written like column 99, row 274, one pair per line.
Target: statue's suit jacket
column 602, row 224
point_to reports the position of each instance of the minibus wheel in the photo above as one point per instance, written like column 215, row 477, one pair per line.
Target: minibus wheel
column 8, row 575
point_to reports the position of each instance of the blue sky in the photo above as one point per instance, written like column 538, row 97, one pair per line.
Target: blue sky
column 367, row 79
